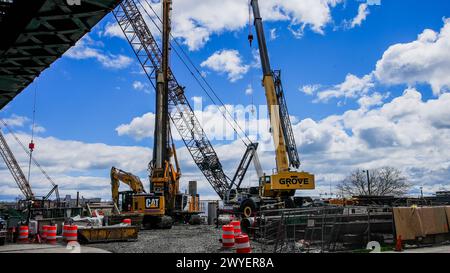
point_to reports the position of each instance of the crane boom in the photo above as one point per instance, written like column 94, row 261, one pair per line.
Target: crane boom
column 15, row 169
column 279, row 117
column 55, row 187
column 149, row 55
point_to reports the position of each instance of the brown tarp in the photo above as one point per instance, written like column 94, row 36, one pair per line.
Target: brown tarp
column 412, row 222
column 434, row 220
column 447, row 212
column 407, row 223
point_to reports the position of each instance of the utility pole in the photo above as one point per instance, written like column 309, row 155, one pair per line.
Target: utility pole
column 161, row 138
column 368, row 181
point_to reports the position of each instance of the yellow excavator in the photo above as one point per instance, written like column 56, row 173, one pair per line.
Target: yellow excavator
column 159, row 210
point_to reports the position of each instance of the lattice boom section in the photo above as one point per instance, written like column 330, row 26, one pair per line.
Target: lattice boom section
column 149, row 55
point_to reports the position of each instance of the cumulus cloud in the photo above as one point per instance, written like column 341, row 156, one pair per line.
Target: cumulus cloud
column 363, row 11
column 139, row 128
column 21, row 121
column 195, row 21
column 352, row 87
column 407, row 133
column 228, row 62
column 426, row 60
column 16, row 120
column 73, row 165
column 309, row 89
column 87, row 48
column 140, row 86
column 374, row 99
column 253, row 120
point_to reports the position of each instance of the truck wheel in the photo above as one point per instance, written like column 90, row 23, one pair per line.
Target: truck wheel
column 248, row 208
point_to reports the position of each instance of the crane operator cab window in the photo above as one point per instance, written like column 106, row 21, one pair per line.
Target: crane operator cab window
column 125, row 200
column 263, row 180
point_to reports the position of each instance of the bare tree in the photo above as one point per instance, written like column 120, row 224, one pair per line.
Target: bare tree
column 383, row 181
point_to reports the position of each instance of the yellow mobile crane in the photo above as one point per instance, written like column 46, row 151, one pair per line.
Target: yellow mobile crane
column 281, row 185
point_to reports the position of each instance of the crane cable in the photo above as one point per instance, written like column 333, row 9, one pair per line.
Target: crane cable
column 250, row 39
column 201, row 76
column 31, row 145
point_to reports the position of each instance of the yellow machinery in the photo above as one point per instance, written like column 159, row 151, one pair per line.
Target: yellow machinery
column 136, row 200
column 158, row 209
column 164, row 177
column 281, row 185
column 164, row 203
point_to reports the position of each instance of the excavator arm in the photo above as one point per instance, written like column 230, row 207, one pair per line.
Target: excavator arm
column 130, row 179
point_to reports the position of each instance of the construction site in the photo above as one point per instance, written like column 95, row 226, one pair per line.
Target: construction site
column 167, row 213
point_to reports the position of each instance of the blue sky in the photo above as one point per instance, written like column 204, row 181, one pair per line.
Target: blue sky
column 85, row 96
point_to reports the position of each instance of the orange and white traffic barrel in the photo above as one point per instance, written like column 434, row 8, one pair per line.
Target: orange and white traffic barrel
column 236, row 227
column 243, row 244
column 44, row 232
column 70, row 233
column 126, row 221
column 23, row 234
column 227, row 236
column 51, row 234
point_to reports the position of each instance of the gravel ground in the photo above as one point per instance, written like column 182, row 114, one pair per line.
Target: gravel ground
column 179, row 239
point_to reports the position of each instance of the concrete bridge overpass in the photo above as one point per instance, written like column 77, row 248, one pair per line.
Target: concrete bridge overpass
column 36, row 33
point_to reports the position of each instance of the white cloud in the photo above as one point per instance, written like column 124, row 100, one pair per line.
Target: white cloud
column 273, row 34
column 310, row 89
column 352, row 87
column 73, row 165
column 16, row 121
column 38, row 128
column 426, row 60
column 363, row 11
column 140, row 86
column 139, row 128
column 20, row 121
column 195, row 21
column 407, row 133
column 374, row 99
column 249, row 90
column 227, row 61
column 86, row 49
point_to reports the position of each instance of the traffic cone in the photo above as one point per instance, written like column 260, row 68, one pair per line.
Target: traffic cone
column 398, row 245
